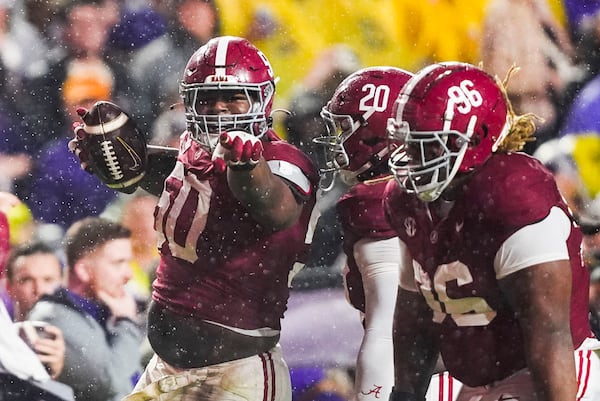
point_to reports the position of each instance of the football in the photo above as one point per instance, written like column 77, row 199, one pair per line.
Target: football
column 116, row 148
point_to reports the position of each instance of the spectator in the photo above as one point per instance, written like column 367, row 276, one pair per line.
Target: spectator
column 62, row 193
column 23, row 227
column 526, row 34
column 329, row 69
column 7, row 202
column 138, row 217
column 84, row 27
column 573, row 160
column 15, row 162
column 507, row 311
column 583, row 17
column 581, row 116
column 318, row 384
column 303, row 124
column 38, row 28
column 95, row 313
column 136, row 213
column 233, row 218
column 22, row 374
column 190, row 24
column 139, row 25
column 10, row 54
column 32, row 270
column 16, row 224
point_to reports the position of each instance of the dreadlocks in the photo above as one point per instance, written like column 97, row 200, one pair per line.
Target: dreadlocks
column 522, row 129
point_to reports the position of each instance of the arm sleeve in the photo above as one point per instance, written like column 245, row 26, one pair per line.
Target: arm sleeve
column 159, row 167
column 376, row 256
column 378, row 264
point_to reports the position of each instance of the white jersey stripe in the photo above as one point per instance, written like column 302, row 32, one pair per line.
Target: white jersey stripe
column 291, row 173
column 443, row 387
column 221, row 57
column 583, row 366
column 108, row 126
column 269, row 376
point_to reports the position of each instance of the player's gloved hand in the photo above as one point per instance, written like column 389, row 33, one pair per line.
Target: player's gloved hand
column 76, row 144
column 239, row 149
column 402, row 396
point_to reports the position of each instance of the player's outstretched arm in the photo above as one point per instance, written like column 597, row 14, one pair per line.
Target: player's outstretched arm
column 268, row 198
column 415, row 350
column 541, row 296
column 161, row 162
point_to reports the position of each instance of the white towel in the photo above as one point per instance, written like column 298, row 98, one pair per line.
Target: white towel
column 15, row 356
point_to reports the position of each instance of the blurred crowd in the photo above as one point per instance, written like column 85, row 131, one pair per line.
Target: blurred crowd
column 57, row 55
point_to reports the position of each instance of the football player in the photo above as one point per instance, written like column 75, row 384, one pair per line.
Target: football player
column 357, row 150
column 493, row 276
column 234, row 220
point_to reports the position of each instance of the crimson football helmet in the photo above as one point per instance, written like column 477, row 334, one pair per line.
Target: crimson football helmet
column 229, row 65
column 448, row 119
column 356, row 118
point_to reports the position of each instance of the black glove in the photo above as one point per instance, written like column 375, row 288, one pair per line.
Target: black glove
column 402, row 396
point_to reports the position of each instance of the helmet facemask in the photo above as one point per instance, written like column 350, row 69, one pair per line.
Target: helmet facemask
column 206, row 128
column 426, row 162
column 336, row 159
column 339, row 127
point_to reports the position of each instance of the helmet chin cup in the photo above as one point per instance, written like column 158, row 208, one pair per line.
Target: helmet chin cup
column 208, row 141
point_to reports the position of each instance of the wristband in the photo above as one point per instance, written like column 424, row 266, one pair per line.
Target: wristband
column 402, row 396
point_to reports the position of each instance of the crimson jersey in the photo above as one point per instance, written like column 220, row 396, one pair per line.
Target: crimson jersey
column 361, row 215
column 453, row 259
column 217, row 263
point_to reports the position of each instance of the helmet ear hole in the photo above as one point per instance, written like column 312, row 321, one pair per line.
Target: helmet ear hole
column 485, row 129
